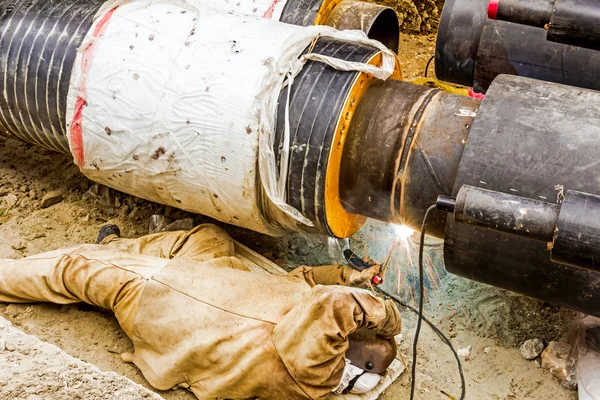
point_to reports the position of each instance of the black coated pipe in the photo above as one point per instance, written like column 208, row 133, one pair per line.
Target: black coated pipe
column 38, row 45
column 536, row 13
column 317, row 99
column 576, row 23
column 577, row 239
column 473, row 50
column 522, row 216
column 537, row 140
column 571, row 22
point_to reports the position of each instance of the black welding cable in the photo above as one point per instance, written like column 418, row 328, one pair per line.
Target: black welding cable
column 427, row 66
column 421, row 317
column 439, row 333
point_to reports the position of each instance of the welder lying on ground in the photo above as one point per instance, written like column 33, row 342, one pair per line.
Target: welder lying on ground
column 200, row 320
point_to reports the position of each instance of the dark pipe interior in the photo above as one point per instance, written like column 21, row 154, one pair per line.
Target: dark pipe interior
column 385, row 29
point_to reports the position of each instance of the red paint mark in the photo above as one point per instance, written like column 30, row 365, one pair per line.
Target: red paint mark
column 493, row 9
column 475, row 95
column 269, row 13
column 76, row 137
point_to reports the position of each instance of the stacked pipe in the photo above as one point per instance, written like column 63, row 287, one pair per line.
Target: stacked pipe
column 528, row 138
column 571, row 22
column 472, row 49
column 276, row 127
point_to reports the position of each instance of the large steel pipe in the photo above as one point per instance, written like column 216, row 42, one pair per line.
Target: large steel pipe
column 535, row 140
column 97, row 80
column 403, row 150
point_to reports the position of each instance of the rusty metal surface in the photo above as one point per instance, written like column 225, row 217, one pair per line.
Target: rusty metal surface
column 436, row 152
column 374, row 141
column 378, row 22
column 403, row 150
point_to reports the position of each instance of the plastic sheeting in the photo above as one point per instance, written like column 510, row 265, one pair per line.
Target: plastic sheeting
column 170, row 101
column 270, row 9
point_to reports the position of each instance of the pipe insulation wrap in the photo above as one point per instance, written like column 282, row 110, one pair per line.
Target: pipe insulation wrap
column 38, row 45
column 270, row 9
column 176, row 103
column 295, row 12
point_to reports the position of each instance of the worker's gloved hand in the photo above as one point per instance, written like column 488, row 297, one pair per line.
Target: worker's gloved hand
column 363, row 278
column 369, row 261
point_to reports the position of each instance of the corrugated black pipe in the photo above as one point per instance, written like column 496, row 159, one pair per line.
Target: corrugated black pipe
column 38, row 45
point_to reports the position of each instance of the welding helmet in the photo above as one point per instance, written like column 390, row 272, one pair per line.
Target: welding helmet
column 367, row 359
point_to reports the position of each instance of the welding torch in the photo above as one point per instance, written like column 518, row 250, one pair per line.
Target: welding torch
column 358, row 264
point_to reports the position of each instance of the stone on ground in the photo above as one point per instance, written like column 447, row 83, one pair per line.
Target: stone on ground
column 51, row 198
column 532, row 348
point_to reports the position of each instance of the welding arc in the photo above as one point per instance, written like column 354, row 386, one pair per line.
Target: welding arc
column 387, row 262
column 421, row 317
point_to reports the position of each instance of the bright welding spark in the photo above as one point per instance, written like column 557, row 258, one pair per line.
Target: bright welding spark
column 403, row 231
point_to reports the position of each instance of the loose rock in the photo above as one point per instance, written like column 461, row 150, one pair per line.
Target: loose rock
column 464, row 352
column 19, row 246
column 186, row 224
column 26, row 202
column 556, row 360
column 9, row 346
column 51, row 198
column 532, row 348
column 9, row 201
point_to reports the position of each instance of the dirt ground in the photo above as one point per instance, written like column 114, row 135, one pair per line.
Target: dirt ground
column 32, row 370
column 489, row 320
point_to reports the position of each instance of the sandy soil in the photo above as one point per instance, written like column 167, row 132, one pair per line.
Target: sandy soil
column 489, row 320
column 32, row 370
column 415, row 52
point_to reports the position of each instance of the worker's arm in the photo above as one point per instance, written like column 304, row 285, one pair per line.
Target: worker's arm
column 336, row 274
column 312, row 338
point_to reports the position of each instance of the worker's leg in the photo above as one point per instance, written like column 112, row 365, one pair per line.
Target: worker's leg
column 93, row 276
column 202, row 243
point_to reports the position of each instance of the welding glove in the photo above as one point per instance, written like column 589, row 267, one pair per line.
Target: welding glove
column 363, row 278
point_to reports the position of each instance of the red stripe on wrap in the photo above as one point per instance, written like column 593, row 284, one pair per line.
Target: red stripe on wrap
column 76, row 137
column 269, row 13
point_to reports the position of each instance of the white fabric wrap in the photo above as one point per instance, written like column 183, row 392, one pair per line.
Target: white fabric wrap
column 270, row 9
column 180, row 97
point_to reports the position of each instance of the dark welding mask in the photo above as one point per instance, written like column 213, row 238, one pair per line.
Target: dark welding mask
column 367, row 359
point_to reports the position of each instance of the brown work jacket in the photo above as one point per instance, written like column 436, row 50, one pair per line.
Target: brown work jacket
column 209, row 325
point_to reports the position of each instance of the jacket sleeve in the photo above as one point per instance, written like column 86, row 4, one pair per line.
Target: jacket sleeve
column 325, row 275
column 312, row 338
